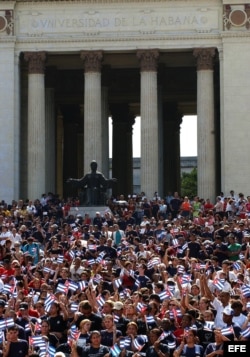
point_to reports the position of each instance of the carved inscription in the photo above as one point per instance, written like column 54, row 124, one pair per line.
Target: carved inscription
column 158, row 21
column 117, row 21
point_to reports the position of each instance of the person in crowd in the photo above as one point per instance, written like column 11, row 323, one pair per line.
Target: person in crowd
column 94, row 349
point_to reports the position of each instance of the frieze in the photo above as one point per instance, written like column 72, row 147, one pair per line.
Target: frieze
column 114, row 21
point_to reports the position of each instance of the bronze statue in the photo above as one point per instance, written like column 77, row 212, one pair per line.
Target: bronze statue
column 95, row 185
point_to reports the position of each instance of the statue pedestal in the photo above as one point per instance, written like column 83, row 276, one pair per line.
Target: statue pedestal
column 91, row 210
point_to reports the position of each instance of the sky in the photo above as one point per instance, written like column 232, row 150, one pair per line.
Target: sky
column 188, row 137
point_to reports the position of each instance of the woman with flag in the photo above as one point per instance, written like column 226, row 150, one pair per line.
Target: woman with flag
column 95, row 349
column 156, row 347
column 188, row 346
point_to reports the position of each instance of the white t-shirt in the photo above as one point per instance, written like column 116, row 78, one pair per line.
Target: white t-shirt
column 218, row 321
column 239, row 320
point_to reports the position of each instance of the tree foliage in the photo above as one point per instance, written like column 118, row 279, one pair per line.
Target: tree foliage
column 189, row 183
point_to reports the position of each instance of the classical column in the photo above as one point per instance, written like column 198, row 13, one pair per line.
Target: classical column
column 36, row 123
column 149, row 122
column 105, row 121
column 59, row 151
column 172, row 121
column 50, row 160
column 205, row 125
column 122, row 158
column 92, row 108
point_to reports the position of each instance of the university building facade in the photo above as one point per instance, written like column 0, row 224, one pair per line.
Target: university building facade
column 67, row 66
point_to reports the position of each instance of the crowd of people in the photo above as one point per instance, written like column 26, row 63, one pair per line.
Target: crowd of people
column 164, row 277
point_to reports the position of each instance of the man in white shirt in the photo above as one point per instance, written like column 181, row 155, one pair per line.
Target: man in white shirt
column 15, row 237
column 219, row 303
column 238, row 318
column 6, row 234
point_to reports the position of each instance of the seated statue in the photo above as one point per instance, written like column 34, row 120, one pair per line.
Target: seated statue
column 95, row 184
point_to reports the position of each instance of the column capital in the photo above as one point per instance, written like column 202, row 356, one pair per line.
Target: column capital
column 36, row 62
column 205, row 58
column 92, row 60
column 148, row 59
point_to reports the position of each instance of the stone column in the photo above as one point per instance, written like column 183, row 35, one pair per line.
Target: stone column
column 36, row 123
column 50, row 160
column 172, row 121
column 205, row 125
column 122, row 161
column 149, row 122
column 105, row 121
column 92, row 108
column 59, row 151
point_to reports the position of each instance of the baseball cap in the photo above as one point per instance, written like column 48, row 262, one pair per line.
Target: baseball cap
column 118, row 305
column 24, row 306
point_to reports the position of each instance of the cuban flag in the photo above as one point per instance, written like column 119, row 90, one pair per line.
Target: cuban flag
column 180, row 269
column 100, row 301
column 153, row 262
column 37, row 341
column 62, row 288
column 97, row 278
column 100, row 257
column 92, row 246
column 82, row 285
column 246, row 332
column 131, row 273
column 150, row 320
column 2, row 337
column 165, row 295
column 46, row 270
column 51, row 351
column 72, row 286
column 163, row 335
column 185, row 246
column 74, row 333
column 245, row 290
column 140, row 307
column 60, row 259
column 236, row 266
column 72, row 254
column 219, row 283
column 125, row 342
column 7, row 289
column 171, row 345
column 209, row 325
column 173, row 314
column 74, row 307
column 175, row 242
column 49, row 300
column 125, row 294
column 185, row 279
column 200, row 266
column 117, row 283
column 227, row 331
column 4, row 324
column 27, row 327
column 116, row 318
column 91, row 261
column 140, row 341
column 115, row 350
